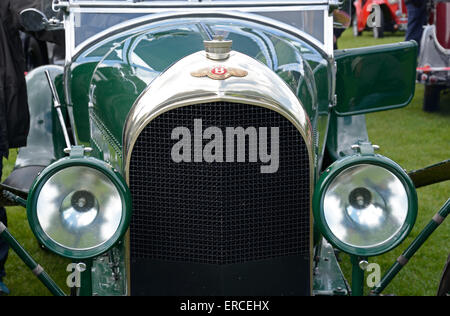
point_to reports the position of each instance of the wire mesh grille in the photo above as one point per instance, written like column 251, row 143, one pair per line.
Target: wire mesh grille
column 219, row 212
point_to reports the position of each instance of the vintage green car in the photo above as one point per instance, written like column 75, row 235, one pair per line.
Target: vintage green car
column 219, row 148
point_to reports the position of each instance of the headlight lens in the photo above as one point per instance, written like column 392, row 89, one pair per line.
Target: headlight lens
column 79, row 207
column 366, row 206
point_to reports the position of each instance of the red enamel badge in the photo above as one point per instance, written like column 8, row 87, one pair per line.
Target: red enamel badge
column 219, row 73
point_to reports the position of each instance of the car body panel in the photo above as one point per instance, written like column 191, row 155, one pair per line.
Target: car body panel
column 328, row 279
column 375, row 78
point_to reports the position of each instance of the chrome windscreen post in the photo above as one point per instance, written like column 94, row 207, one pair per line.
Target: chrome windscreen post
column 57, row 5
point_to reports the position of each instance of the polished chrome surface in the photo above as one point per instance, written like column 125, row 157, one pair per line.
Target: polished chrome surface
column 363, row 264
column 79, row 208
column 218, row 48
column 365, row 206
column 177, row 87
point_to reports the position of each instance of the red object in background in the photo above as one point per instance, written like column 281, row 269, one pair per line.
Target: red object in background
column 394, row 14
column 427, row 69
column 434, row 60
column 443, row 24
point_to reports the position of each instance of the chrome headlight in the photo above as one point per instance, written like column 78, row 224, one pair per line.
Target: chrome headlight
column 79, row 207
column 365, row 205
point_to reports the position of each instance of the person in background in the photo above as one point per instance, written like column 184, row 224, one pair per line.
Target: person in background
column 417, row 18
column 336, row 34
column 14, row 114
column 3, row 249
column 45, row 47
column 343, row 18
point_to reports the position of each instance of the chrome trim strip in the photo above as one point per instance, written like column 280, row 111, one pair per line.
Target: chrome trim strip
column 69, row 26
column 219, row 9
column 69, row 40
column 438, row 219
column 402, row 260
column 38, row 270
column 328, row 34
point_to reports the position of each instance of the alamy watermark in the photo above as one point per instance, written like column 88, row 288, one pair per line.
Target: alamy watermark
column 74, row 278
column 234, row 144
column 374, row 276
column 374, row 19
column 374, row 273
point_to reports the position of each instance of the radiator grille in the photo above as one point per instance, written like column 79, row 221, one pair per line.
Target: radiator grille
column 218, row 213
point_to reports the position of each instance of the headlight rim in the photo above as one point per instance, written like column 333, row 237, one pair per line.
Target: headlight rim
column 89, row 162
column 335, row 170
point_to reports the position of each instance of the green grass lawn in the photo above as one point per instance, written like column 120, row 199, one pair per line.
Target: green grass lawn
column 413, row 139
column 409, row 136
column 20, row 279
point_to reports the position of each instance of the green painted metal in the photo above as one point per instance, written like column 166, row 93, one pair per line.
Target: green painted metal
column 17, row 199
column 413, row 248
column 334, row 170
column 86, row 279
column 357, row 276
column 77, row 160
column 110, row 273
column 432, row 174
column 30, row 263
column 328, row 277
column 375, row 78
column 78, row 97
